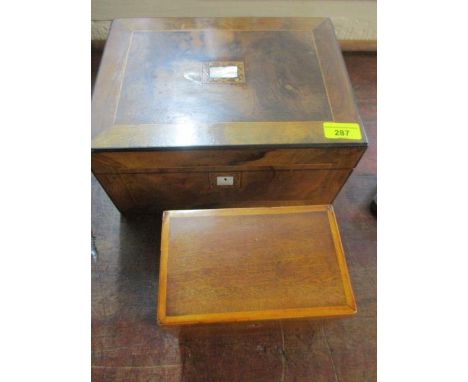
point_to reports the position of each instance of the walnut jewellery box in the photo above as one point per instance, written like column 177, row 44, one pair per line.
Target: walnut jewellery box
column 213, row 115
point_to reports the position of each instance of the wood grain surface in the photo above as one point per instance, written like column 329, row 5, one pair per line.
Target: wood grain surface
column 251, row 264
column 150, row 92
column 178, row 190
column 148, row 182
column 259, row 159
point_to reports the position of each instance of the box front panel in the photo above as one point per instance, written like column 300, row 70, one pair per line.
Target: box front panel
column 151, row 192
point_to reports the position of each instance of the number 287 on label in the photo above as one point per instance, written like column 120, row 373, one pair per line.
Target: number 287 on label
column 339, row 130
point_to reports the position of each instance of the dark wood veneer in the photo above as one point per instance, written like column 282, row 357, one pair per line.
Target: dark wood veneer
column 159, row 129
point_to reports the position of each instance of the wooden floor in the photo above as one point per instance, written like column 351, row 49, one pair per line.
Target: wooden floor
column 127, row 345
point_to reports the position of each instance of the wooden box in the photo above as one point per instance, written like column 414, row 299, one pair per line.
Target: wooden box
column 244, row 265
column 223, row 112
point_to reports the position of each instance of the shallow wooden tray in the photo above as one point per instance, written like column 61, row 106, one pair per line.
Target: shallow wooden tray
column 252, row 264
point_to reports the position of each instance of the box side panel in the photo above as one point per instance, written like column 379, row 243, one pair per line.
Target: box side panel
column 117, row 191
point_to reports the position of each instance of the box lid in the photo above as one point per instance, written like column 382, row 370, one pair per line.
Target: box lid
column 252, row 264
column 217, row 82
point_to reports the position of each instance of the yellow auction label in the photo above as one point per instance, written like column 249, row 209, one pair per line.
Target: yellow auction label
column 339, row 130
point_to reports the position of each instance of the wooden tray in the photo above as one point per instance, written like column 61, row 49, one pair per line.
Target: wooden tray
column 252, row 264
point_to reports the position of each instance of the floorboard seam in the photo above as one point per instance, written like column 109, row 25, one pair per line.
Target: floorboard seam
column 283, row 353
column 331, row 355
